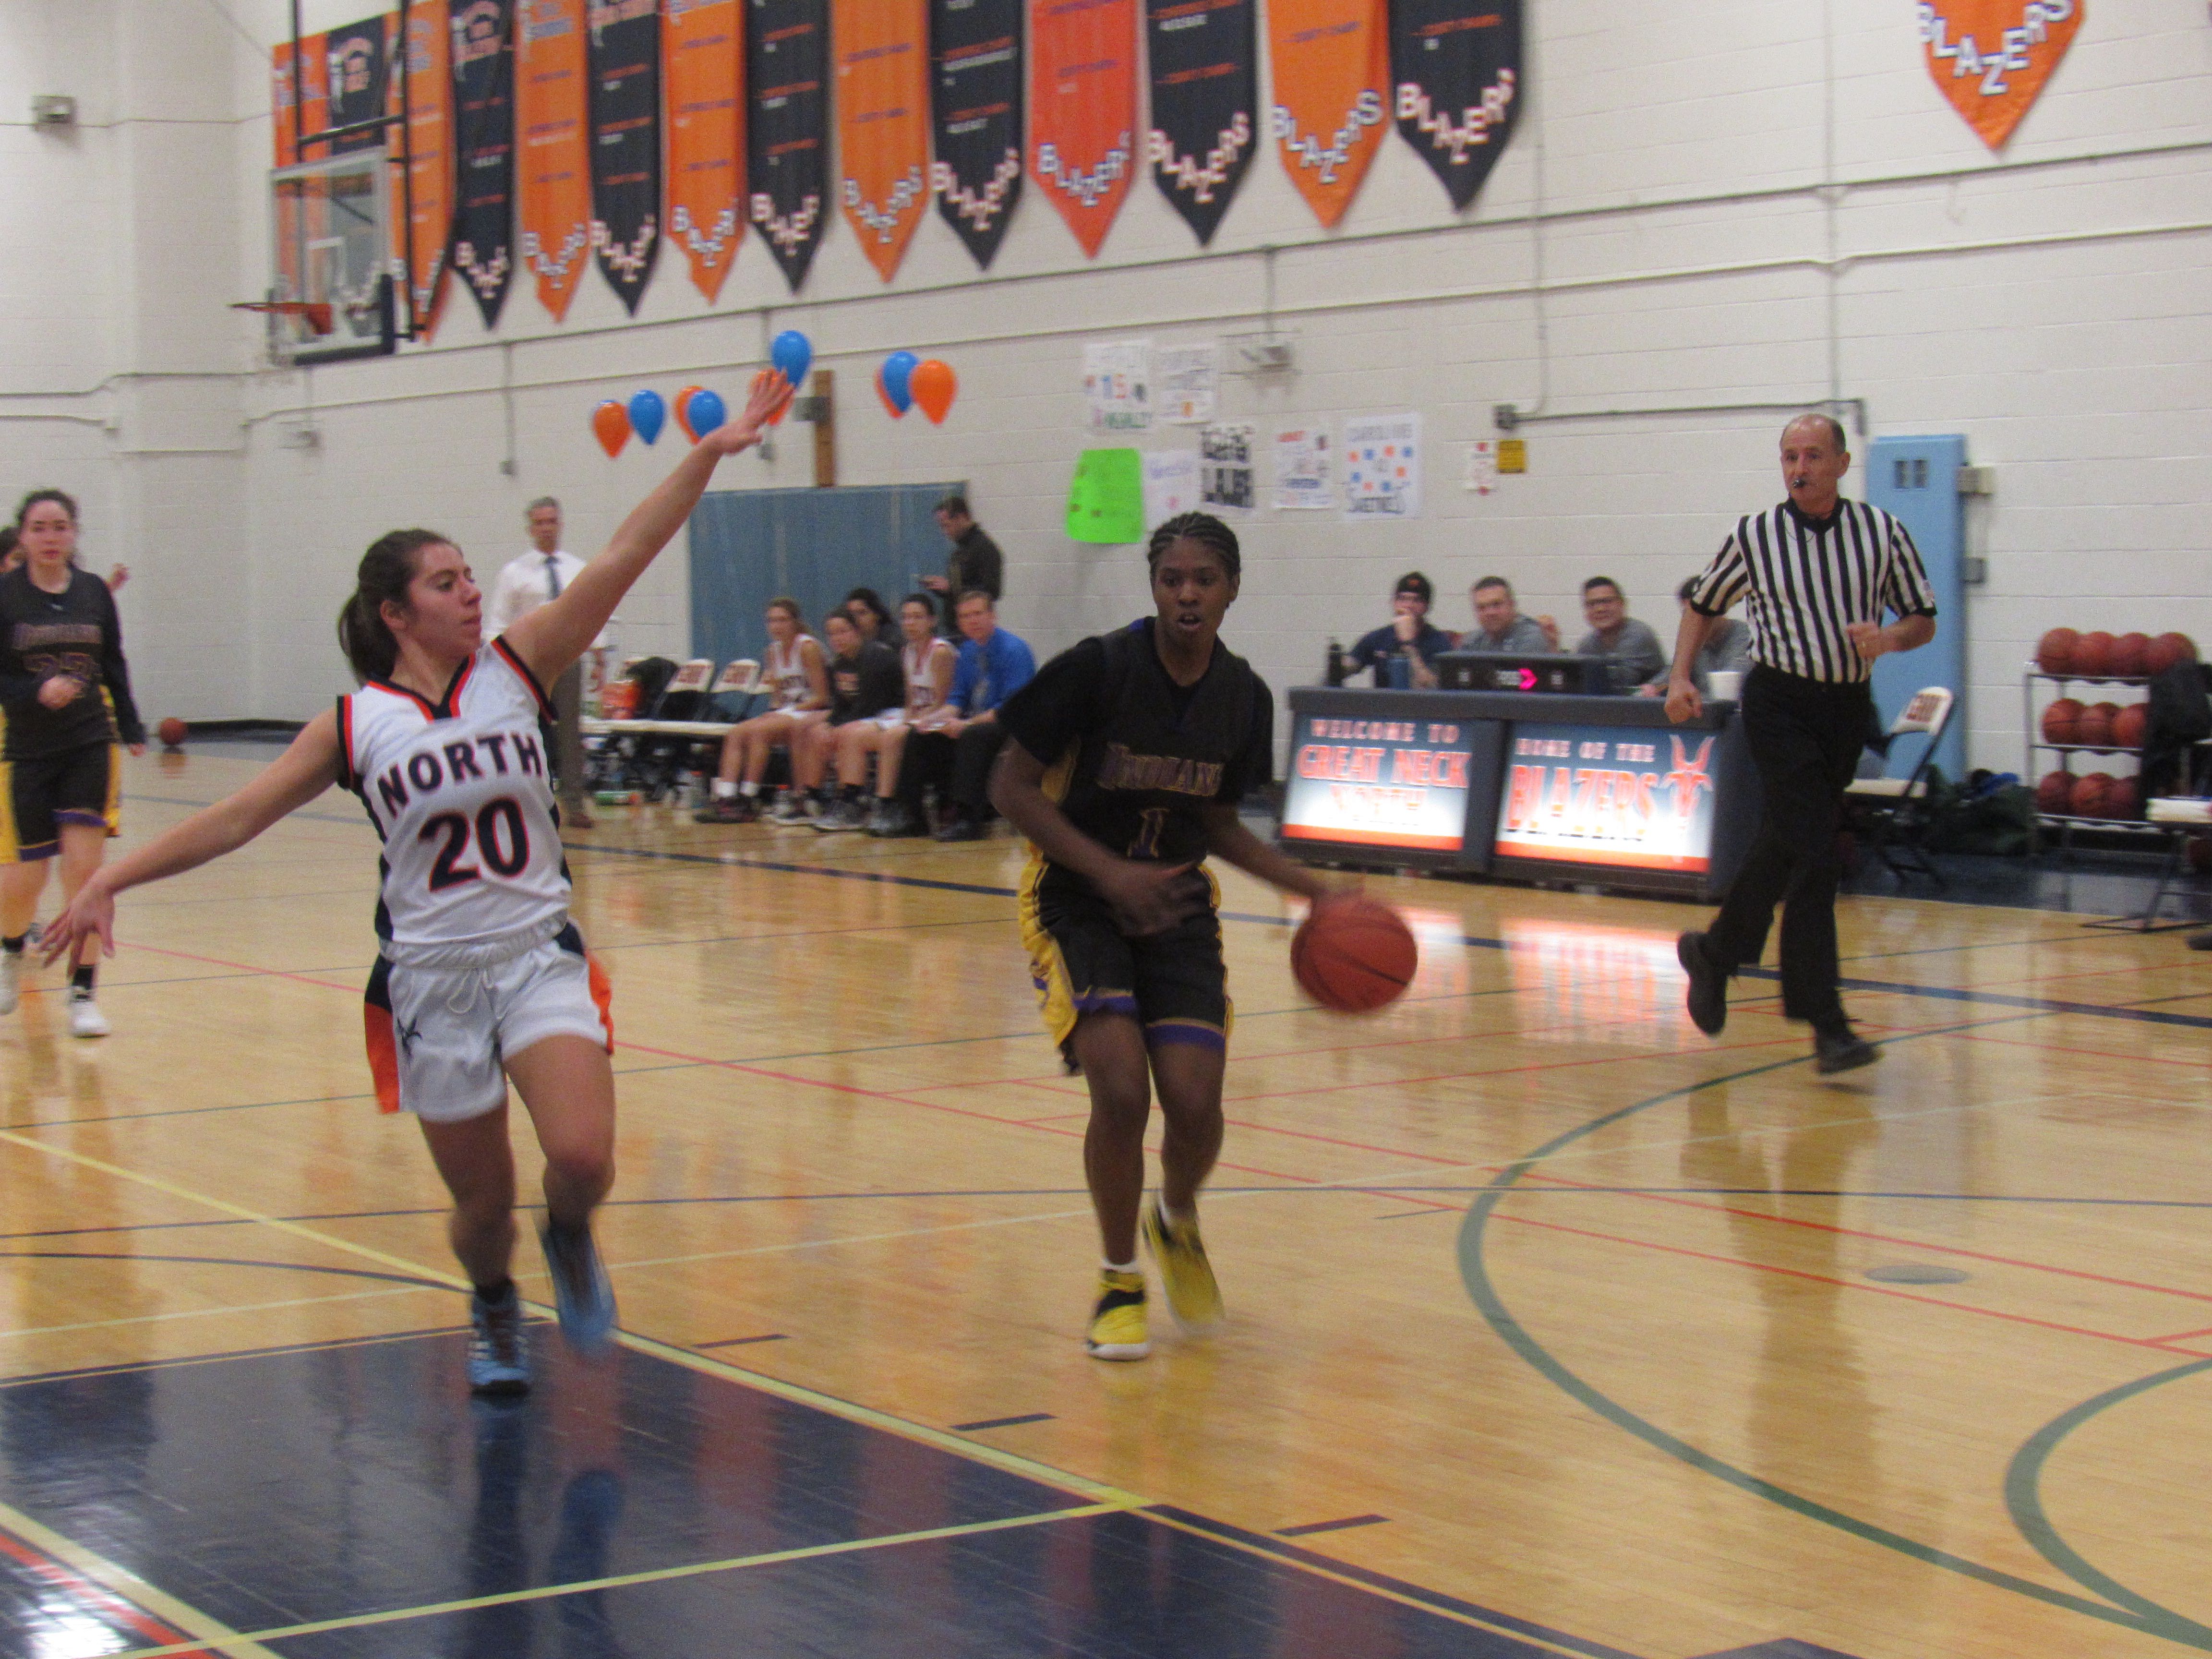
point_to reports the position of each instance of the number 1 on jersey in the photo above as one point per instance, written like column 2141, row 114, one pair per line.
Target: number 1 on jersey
column 1147, row 843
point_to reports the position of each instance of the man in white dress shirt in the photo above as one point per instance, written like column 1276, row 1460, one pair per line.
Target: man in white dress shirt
column 524, row 584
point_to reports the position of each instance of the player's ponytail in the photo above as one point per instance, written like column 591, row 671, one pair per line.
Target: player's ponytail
column 385, row 570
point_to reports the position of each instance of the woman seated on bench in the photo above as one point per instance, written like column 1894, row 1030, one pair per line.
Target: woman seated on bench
column 797, row 673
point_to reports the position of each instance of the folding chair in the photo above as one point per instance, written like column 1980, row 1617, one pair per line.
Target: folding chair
column 1896, row 809
column 664, row 740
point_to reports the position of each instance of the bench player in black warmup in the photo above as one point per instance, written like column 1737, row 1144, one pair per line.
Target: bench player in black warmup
column 1124, row 762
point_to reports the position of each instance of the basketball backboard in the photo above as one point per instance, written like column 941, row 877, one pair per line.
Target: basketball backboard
column 331, row 249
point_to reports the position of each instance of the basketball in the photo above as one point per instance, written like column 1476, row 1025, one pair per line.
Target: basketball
column 2054, row 794
column 2169, row 649
column 2123, row 799
column 1353, row 955
column 2131, row 654
column 2062, row 721
column 2131, row 726
column 2093, row 656
column 2094, row 728
column 171, row 732
column 2054, row 653
column 2090, row 794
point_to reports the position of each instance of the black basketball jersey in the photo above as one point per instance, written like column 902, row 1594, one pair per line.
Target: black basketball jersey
column 1131, row 756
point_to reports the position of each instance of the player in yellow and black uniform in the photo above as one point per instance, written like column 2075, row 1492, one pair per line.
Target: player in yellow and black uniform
column 65, row 696
column 1124, row 761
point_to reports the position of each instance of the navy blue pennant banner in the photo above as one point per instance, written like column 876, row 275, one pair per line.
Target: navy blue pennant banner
column 1205, row 57
column 623, row 50
column 787, row 127
column 1456, row 81
column 975, row 82
column 360, row 80
column 482, row 249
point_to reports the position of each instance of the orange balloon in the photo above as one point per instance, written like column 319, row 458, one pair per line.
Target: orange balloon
column 934, row 384
column 610, row 423
column 684, row 410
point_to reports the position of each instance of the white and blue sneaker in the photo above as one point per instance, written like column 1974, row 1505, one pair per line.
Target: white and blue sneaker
column 582, row 1292
column 498, row 1350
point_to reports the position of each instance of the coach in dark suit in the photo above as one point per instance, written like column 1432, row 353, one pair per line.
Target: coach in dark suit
column 1820, row 572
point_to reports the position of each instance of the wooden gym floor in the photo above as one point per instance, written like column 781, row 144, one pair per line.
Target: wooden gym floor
column 1555, row 1327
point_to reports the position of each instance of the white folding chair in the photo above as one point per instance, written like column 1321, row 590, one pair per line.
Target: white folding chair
column 1896, row 809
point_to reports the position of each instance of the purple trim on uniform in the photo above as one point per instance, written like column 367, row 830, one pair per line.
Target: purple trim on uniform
column 1105, row 1002
column 44, row 849
column 1161, row 1032
column 80, row 814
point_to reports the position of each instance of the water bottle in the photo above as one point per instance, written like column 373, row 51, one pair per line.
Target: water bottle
column 1334, row 674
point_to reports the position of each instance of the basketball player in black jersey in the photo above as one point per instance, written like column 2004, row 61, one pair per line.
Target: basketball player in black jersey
column 1124, row 762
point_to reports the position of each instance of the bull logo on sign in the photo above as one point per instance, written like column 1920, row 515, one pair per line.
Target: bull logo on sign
column 1688, row 777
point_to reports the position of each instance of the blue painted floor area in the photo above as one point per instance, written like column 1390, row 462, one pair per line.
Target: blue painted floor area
column 295, row 1486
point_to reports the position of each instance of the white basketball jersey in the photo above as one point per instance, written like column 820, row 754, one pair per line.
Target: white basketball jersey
column 920, row 662
column 786, row 671
column 460, row 793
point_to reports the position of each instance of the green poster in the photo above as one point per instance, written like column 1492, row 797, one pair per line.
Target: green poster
column 1106, row 502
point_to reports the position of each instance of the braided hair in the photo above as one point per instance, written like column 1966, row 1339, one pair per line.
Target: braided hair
column 1208, row 532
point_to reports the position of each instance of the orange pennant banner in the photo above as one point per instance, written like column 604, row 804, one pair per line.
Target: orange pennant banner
column 882, row 49
column 1083, row 109
column 313, row 88
column 1331, row 66
column 552, row 131
column 703, row 76
column 1993, row 57
column 423, row 233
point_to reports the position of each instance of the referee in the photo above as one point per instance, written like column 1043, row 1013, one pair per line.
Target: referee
column 1820, row 571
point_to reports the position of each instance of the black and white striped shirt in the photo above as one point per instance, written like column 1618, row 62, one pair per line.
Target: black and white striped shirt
column 1810, row 578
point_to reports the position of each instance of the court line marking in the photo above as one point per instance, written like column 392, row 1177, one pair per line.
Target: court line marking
column 211, row 1634
column 1474, row 1273
column 622, row 1581
column 110, row 1609
column 2023, row 1490
column 173, row 1315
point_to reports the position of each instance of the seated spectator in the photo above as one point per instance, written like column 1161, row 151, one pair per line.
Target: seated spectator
column 799, row 685
column 864, row 685
column 926, row 663
column 1408, row 637
column 1638, row 657
column 1499, row 625
column 1727, row 649
column 953, row 746
column 870, row 615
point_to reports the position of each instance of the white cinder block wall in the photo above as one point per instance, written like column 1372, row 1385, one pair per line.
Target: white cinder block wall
column 1729, row 202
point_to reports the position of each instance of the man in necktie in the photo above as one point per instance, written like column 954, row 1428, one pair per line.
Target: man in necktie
column 527, row 581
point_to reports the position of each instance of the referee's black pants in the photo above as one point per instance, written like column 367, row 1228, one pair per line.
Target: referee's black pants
column 1805, row 737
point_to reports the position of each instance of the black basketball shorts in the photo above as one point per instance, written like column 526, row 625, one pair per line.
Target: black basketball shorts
column 1173, row 983
column 36, row 796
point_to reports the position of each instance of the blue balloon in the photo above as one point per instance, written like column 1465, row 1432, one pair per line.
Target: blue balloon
column 648, row 414
column 898, row 375
column 706, row 411
column 792, row 353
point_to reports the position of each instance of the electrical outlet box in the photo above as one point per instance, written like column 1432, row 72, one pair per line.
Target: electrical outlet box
column 1977, row 481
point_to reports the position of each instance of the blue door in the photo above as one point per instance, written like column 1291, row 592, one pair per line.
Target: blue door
column 749, row 546
column 1917, row 480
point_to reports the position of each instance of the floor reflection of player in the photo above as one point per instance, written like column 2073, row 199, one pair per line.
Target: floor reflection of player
column 481, row 977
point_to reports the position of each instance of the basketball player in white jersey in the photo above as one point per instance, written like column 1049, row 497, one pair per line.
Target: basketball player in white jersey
column 481, row 978
column 798, row 673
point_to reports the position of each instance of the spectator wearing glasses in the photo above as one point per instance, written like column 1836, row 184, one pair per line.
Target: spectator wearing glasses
column 1638, row 656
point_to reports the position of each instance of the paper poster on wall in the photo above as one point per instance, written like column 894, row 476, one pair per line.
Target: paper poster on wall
column 1383, row 466
column 1186, row 380
column 1305, row 480
column 1481, row 477
column 1117, row 384
column 1106, row 498
column 1992, row 58
column 1225, row 476
column 1170, row 485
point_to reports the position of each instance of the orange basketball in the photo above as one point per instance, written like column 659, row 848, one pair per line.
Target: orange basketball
column 2089, row 795
column 2054, row 794
column 171, row 732
column 1353, row 955
column 2123, row 799
column 2093, row 656
column 2169, row 649
column 2131, row 726
column 2054, row 653
column 2062, row 721
column 2131, row 654
column 2094, row 729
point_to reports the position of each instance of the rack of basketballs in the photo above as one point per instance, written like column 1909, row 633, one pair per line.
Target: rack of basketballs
column 2071, row 726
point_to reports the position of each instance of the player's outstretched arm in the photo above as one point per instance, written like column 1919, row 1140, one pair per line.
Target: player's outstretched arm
column 1146, row 897
column 302, row 772
column 554, row 635
column 1228, row 840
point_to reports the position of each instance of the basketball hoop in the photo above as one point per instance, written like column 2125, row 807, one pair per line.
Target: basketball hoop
column 315, row 314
